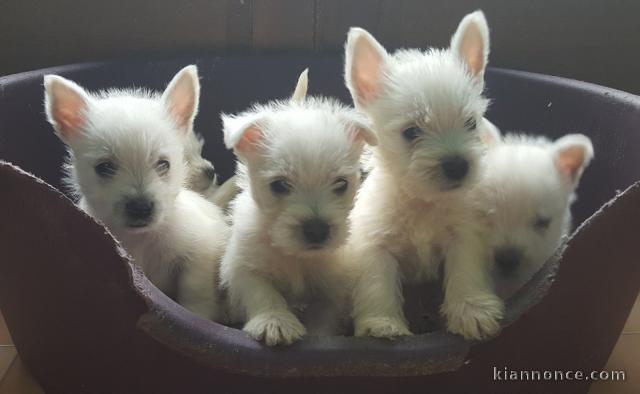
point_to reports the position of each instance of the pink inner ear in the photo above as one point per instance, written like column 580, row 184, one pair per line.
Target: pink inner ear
column 181, row 110
column 366, row 72
column 569, row 161
column 471, row 49
column 181, row 99
column 249, row 140
column 70, row 119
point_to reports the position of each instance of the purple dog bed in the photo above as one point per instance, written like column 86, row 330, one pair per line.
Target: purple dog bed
column 84, row 320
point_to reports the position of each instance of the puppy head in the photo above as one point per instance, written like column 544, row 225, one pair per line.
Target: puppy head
column 302, row 163
column 528, row 188
column 425, row 105
column 126, row 148
column 201, row 174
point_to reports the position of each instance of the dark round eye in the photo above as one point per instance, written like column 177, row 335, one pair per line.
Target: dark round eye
column 280, row 187
column 340, row 186
column 542, row 223
column 105, row 169
column 470, row 124
column 411, row 133
column 162, row 166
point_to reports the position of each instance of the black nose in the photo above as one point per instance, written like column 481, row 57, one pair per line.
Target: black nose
column 315, row 231
column 508, row 260
column 210, row 173
column 139, row 208
column 455, row 167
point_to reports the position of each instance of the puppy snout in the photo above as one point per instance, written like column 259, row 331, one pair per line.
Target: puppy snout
column 508, row 260
column 210, row 172
column 455, row 168
column 315, row 231
column 139, row 209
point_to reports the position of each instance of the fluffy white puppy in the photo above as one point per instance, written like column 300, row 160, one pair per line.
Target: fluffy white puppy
column 413, row 212
column 201, row 175
column 299, row 171
column 127, row 166
column 525, row 195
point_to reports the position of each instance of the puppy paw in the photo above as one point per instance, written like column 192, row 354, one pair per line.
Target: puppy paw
column 275, row 328
column 381, row 327
column 474, row 317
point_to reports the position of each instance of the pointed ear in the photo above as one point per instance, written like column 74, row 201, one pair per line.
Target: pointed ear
column 365, row 65
column 489, row 133
column 300, row 92
column 181, row 97
column 571, row 155
column 242, row 133
column 66, row 104
column 471, row 43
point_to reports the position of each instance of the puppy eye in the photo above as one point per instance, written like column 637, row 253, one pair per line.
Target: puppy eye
column 162, row 166
column 470, row 124
column 541, row 223
column 106, row 169
column 341, row 186
column 280, row 187
column 411, row 133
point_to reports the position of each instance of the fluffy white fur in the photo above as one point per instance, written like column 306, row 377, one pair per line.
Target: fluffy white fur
column 129, row 146
column 201, row 176
column 299, row 162
column 412, row 213
column 525, row 196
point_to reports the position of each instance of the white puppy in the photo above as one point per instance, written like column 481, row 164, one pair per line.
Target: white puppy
column 126, row 163
column 413, row 211
column 526, row 193
column 201, row 175
column 299, row 171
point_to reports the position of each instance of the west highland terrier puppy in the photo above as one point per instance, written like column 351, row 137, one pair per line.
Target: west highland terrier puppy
column 299, row 171
column 412, row 212
column 526, row 193
column 201, row 175
column 127, row 166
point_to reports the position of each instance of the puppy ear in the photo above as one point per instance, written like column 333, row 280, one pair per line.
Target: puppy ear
column 242, row 133
column 66, row 104
column 360, row 127
column 471, row 43
column 365, row 65
column 489, row 133
column 571, row 155
column 181, row 97
column 300, row 92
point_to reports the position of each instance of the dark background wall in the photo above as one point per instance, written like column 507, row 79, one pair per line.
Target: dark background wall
column 592, row 40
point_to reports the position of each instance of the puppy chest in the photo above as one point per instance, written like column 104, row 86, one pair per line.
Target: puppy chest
column 301, row 281
column 423, row 242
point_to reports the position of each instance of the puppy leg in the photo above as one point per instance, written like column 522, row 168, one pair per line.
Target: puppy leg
column 197, row 290
column 377, row 298
column 470, row 305
column 267, row 312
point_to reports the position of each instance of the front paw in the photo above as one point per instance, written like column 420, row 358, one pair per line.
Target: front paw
column 381, row 327
column 474, row 317
column 275, row 328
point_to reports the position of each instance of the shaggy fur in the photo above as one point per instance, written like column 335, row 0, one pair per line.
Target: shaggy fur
column 126, row 164
column 413, row 210
column 299, row 164
column 525, row 195
column 201, row 176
